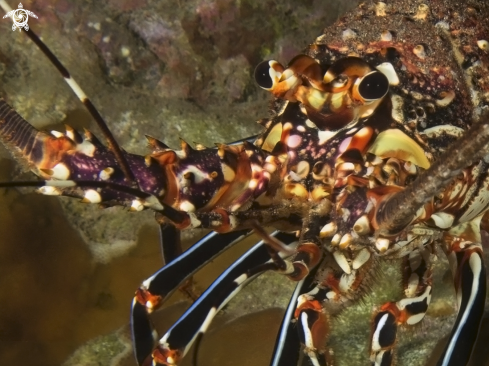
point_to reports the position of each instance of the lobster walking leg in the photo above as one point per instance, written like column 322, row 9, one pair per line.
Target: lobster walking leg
column 309, row 251
column 469, row 272
column 177, row 341
column 417, row 281
column 336, row 288
column 156, row 289
column 287, row 347
column 171, row 246
column 287, row 350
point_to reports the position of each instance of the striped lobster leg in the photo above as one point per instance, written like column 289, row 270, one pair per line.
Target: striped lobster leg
column 287, row 349
column 340, row 280
column 461, row 243
column 464, row 251
column 156, row 289
column 193, row 324
column 417, row 284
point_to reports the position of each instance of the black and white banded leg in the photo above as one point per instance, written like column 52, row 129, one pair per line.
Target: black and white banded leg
column 417, row 284
column 469, row 275
column 339, row 280
column 156, row 289
column 288, row 349
column 193, row 324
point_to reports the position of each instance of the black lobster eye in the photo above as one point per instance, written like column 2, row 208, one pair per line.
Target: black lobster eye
column 262, row 75
column 373, row 86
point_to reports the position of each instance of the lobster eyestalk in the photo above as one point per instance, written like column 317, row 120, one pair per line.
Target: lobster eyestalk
column 399, row 210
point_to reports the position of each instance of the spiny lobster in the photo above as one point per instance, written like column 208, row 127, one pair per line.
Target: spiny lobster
column 358, row 119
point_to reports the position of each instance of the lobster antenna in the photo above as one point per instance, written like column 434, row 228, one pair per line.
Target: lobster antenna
column 111, row 141
column 399, row 210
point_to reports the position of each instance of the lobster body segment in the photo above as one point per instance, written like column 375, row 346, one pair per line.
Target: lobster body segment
column 359, row 120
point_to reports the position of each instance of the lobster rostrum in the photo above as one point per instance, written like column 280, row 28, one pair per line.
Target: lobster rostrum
column 375, row 149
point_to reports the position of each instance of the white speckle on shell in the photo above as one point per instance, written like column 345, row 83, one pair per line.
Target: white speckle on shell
column 227, row 172
column 447, row 98
column 361, row 258
column 419, row 51
column 438, row 131
column 443, row 25
column 86, row 148
column 345, row 241
column 253, row 184
column 187, row 206
column 328, row 230
column 442, row 220
column 380, row 9
column 344, row 145
column 388, row 70
column 294, row 141
column 362, row 226
column 324, row 136
column 422, row 12
column 416, row 95
column 386, row 36
column 49, row 191
column 106, row 173
column 303, row 168
column 382, row 244
column 348, row 34
column 61, row 171
column 310, row 124
column 336, row 239
column 93, row 196
column 483, row 44
column 125, row 51
column 342, row 262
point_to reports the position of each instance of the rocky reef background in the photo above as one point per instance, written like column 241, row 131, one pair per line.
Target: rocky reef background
column 169, row 69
